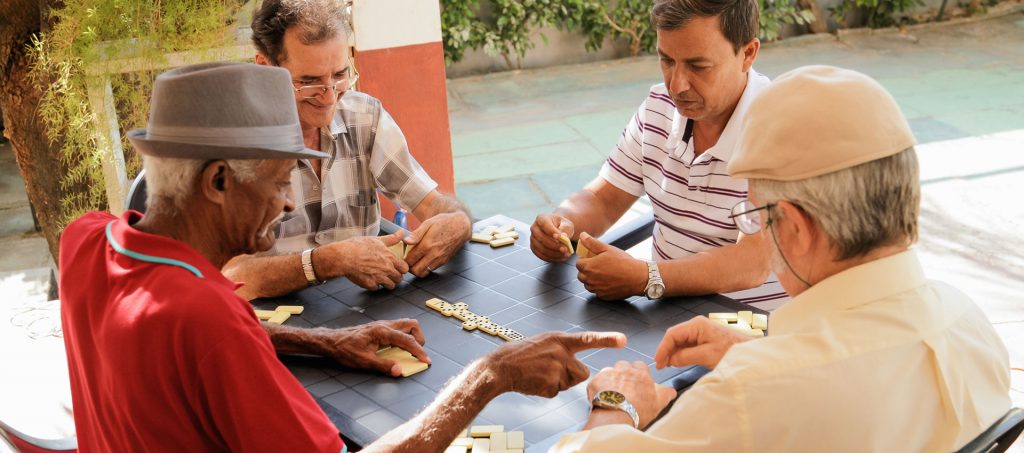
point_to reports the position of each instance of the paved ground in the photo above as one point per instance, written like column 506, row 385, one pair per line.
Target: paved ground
column 523, row 141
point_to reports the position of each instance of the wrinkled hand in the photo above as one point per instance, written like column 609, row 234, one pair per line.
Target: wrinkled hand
column 635, row 382
column 696, row 342
column 356, row 347
column 546, row 364
column 365, row 261
column 436, row 241
column 544, row 235
column 612, row 274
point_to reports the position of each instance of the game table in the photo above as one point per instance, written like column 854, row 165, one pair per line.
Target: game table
column 515, row 289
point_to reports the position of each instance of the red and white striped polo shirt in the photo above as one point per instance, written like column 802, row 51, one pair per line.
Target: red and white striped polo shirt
column 692, row 195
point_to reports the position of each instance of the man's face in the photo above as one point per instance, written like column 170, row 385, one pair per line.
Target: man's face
column 323, row 63
column 256, row 207
column 789, row 282
column 703, row 74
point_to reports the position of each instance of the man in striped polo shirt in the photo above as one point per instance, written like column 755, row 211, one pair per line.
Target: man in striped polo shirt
column 674, row 150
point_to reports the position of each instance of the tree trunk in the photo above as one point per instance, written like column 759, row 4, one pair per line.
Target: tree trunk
column 820, row 24
column 38, row 160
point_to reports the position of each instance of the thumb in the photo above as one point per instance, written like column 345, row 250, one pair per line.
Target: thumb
column 392, row 239
column 595, row 246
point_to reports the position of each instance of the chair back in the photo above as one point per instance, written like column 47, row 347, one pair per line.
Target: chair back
column 24, row 443
column 137, row 193
column 999, row 436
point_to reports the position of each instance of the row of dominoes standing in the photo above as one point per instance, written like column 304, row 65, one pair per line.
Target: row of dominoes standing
column 488, row 439
column 496, row 236
column 746, row 322
column 473, row 321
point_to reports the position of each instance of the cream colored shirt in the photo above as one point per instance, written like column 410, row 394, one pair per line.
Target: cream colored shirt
column 875, row 358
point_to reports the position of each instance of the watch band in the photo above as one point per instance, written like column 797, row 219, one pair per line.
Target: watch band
column 307, row 267
column 624, row 406
column 653, row 279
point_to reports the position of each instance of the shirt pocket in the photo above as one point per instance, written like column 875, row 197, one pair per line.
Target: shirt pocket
column 363, row 208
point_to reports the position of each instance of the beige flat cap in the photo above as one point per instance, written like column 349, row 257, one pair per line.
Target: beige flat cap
column 815, row 120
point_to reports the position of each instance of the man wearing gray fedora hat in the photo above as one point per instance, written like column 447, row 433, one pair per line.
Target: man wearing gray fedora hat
column 163, row 355
column 333, row 233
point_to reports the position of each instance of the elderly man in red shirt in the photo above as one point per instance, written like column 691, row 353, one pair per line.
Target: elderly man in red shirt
column 163, row 355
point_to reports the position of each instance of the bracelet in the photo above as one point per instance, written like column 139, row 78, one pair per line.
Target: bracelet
column 307, row 267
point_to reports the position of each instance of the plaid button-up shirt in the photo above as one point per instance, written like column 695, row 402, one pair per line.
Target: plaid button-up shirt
column 367, row 152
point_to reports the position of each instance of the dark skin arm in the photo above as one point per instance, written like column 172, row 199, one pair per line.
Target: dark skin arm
column 353, row 347
column 541, row 365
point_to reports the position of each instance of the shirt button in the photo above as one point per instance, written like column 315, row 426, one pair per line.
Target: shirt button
column 320, row 237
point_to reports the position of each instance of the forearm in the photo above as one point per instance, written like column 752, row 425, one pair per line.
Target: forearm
column 438, row 203
column 293, row 340
column 266, row 276
column 587, row 213
column 724, row 269
column 455, row 407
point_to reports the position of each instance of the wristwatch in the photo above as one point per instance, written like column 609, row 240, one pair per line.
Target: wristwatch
column 610, row 399
column 307, row 267
column 655, row 285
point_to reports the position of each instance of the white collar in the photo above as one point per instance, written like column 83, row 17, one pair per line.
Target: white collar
column 727, row 141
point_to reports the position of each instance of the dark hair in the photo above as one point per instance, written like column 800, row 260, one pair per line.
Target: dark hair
column 318, row 21
column 739, row 19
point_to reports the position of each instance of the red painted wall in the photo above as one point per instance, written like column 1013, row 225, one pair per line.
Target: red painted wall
column 410, row 82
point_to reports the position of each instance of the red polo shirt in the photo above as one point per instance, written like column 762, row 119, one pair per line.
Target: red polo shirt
column 164, row 356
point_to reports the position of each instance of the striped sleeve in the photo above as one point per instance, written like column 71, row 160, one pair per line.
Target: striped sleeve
column 623, row 168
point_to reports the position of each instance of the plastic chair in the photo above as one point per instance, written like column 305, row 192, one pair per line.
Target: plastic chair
column 24, row 443
column 999, row 436
column 136, row 198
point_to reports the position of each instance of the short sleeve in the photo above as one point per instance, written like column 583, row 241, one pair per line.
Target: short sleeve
column 398, row 174
column 624, row 166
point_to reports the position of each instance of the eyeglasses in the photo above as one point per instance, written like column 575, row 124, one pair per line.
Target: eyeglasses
column 312, row 91
column 747, row 218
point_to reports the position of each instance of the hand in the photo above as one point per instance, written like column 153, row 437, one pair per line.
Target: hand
column 437, row 240
column 365, row 260
column 696, row 342
column 546, row 364
column 544, row 234
column 356, row 347
column 612, row 274
column 635, row 382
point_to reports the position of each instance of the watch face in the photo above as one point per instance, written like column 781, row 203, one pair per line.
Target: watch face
column 655, row 291
column 611, row 397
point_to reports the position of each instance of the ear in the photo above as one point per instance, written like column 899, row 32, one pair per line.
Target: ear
column 749, row 51
column 262, row 59
column 215, row 180
column 799, row 229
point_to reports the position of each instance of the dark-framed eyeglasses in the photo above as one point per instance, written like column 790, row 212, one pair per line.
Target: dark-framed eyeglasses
column 747, row 216
column 340, row 86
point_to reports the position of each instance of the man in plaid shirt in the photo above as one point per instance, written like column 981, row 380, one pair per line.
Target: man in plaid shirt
column 333, row 230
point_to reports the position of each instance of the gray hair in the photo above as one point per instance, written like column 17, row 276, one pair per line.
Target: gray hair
column 861, row 208
column 316, row 20
column 170, row 182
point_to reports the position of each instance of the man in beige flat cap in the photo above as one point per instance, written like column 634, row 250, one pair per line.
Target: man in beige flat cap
column 333, row 233
column 869, row 355
column 164, row 356
column 674, row 151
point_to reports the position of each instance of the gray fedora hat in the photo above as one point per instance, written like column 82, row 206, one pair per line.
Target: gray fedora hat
column 223, row 110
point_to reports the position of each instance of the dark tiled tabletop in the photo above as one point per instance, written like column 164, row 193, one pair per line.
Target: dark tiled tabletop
column 513, row 288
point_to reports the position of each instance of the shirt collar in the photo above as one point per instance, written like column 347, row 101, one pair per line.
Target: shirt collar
column 851, row 288
column 163, row 248
column 727, row 141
